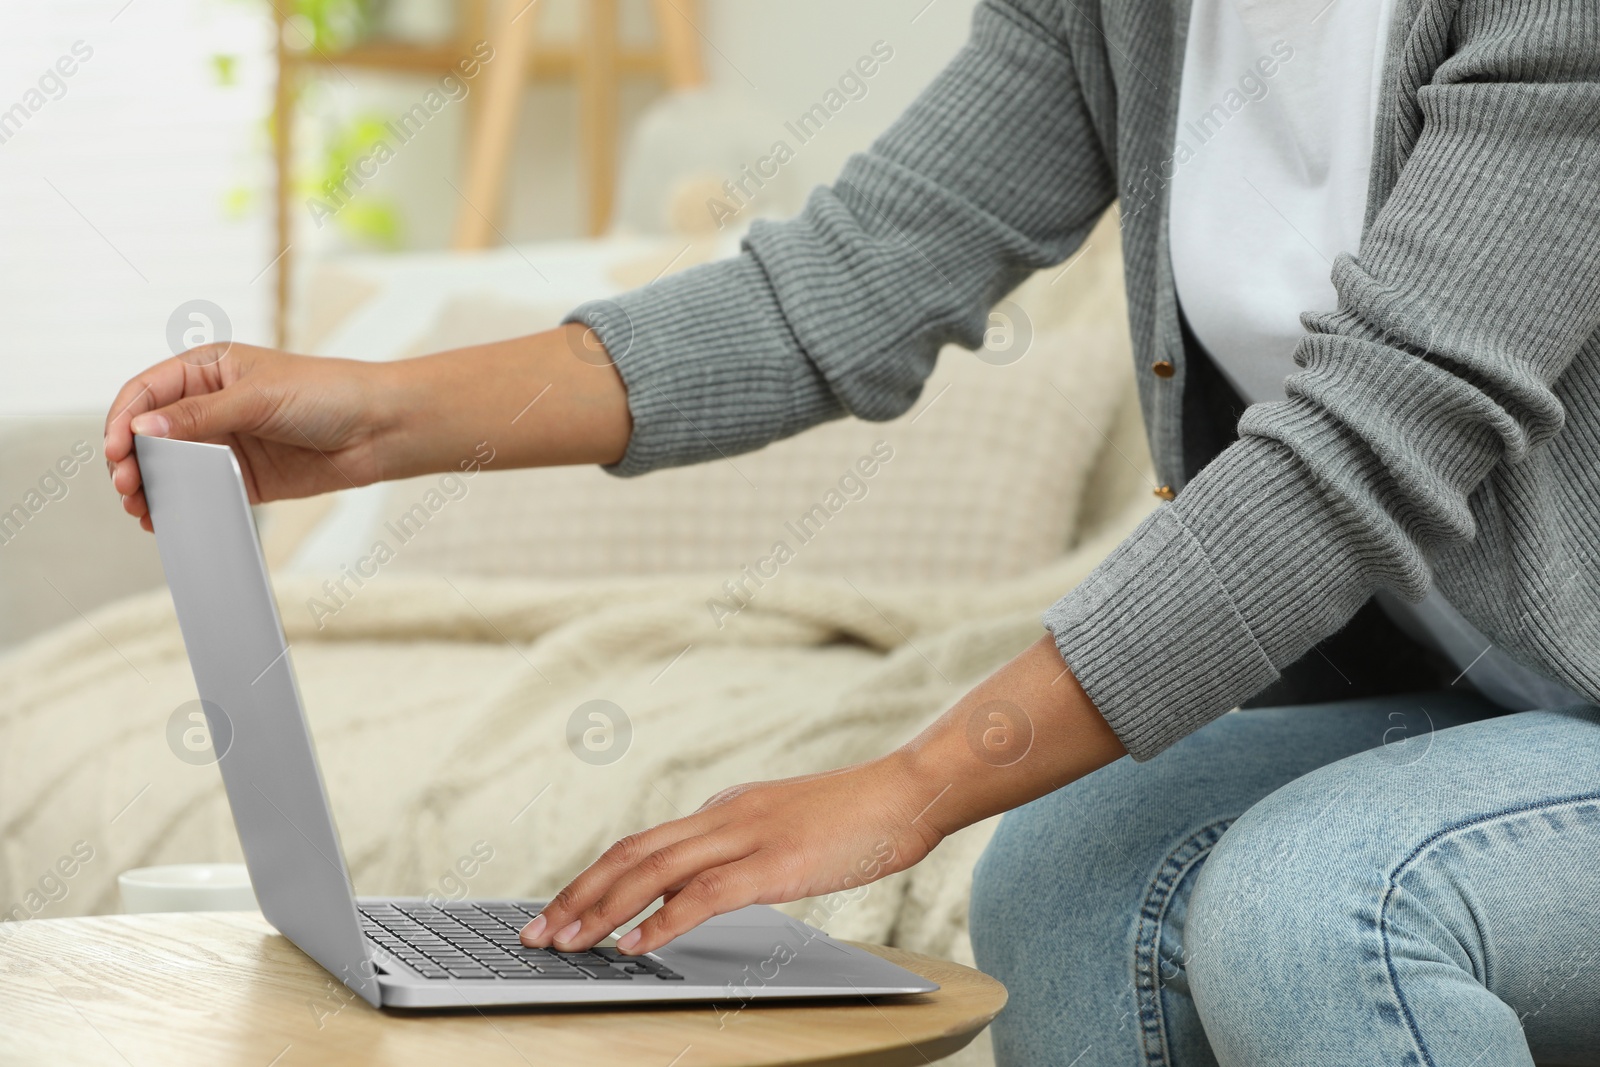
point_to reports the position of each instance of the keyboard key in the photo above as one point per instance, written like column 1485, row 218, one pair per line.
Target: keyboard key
column 581, row 958
column 622, row 960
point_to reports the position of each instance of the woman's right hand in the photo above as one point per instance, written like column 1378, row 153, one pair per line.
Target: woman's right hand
column 299, row 425
column 302, row 425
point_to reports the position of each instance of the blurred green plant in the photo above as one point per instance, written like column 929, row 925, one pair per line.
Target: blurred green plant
column 370, row 217
column 328, row 26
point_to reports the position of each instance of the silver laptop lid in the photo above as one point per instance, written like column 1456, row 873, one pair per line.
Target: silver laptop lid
column 218, row 577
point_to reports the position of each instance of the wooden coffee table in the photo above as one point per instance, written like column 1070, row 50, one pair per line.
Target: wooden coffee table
column 225, row 988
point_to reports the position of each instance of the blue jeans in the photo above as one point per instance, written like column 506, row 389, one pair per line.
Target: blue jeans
column 1406, row 880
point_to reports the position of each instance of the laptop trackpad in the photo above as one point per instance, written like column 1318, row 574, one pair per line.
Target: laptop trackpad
column 760, row 948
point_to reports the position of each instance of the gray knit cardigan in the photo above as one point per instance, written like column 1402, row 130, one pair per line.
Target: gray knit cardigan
column 1444, row 424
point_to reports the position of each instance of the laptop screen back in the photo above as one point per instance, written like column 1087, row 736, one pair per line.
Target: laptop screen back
column 218, row 578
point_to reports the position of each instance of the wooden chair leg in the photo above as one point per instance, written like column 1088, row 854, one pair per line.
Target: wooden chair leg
column 676, row 22
column 472, row 26
column 511, row 33
column 597, row 109
column 283, row 165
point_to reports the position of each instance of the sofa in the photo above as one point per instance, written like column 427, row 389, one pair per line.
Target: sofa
column 453, row 685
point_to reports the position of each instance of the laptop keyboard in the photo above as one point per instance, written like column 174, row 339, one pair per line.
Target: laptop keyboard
column 478, row 940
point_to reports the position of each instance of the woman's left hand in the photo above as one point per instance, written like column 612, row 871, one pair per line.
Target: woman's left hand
column 753, row 844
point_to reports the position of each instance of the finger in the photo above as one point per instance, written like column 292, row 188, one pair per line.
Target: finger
column 565, row 907
column 708, row 894
column 125, row 476
column 132, row 399
column 156, row 387
column 204, row 417
column 134, row 504
column 161, row 384
column 659, row 873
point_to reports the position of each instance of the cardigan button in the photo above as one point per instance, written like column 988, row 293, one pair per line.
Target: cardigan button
column 1162, row 368
column 1165, row 492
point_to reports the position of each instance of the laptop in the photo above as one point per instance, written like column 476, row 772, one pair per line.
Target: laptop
column 408, row 952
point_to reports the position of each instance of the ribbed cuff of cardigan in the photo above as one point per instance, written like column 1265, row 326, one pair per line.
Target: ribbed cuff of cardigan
column 711, row 366
column 1155, row 640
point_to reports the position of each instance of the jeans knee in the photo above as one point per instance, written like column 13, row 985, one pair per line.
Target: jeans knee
column 1239, row 911
column 1281, row 923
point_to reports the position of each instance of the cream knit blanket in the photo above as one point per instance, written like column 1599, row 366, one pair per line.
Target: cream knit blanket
column 441, row 713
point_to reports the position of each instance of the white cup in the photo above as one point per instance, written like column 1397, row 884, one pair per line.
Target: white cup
column 187, row 887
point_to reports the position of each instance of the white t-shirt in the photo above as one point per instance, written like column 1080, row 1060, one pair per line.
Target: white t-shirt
column 1277, row 111
column 1272, row 154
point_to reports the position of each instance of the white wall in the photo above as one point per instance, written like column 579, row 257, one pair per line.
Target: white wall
column 112, row 197
column 144, row 147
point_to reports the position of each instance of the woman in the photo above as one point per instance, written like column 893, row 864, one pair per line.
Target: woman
column 1391, row 879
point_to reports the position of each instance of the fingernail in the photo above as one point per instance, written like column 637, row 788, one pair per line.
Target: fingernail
column 534, row 928
column 626, row 942
column 151, row 424
column 569, row 933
